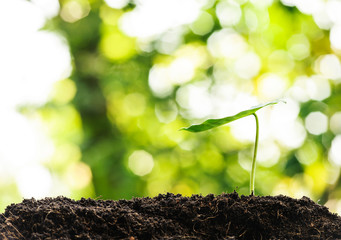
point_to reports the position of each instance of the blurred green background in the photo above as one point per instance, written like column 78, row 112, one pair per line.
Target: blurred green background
column 92, row 94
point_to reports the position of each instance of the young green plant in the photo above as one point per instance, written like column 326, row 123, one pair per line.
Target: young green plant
column 212, row 123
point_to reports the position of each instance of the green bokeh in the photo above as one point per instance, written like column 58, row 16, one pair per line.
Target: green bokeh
column 114, row 112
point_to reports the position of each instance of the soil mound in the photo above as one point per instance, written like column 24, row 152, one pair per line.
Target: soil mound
column 169, row 216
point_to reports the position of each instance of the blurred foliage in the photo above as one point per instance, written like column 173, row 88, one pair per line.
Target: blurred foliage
column 114, row 112
column 114, row 122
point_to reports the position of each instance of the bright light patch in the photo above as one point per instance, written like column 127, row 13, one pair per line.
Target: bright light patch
column 298, row 46
column 329, row 66
column 181, row 70
column 51, row 62
column 226, row 43
column 159, row 81
column 196, row 53
column 244, row 129
column 251, row 19
column 227, row 100
column 333, row 8
column 316, row 123
column 203, row 24
column 335, row 37
column 43, row 59
column 315, row 87
column 118, row 4
column 248, row 65
column 261, row 3
column 272, row 86
column 281, row 113
column 163, row 78
column 335, row 123
column 298, row 91
column 318, row 88
column 289, row 3
column 292, row 135
column 309, row 6
column 154, row 17
column 169, row 41
column 284, row 125
column 335, row 151
column 32, row 61
column 34, row 181
column 78, row 175
column 322, row 19
column 22, row 15
column 228, row 12
column 49, row 8
column 141, row 162
column 196, row 99
column 73, row 10
column 24, row 141
column 268, row 154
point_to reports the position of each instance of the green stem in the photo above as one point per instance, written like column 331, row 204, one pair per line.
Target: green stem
column 253, row 167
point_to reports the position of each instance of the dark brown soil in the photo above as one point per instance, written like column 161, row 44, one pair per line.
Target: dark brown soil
column 226, row 216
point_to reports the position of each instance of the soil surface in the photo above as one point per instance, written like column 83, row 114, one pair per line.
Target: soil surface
column 169, row 216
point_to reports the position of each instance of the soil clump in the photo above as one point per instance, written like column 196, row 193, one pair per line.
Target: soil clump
column 169, row 216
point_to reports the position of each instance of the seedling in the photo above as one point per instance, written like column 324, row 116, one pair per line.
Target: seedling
column 212, row 123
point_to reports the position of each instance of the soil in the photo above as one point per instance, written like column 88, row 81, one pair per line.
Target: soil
column 169, row 216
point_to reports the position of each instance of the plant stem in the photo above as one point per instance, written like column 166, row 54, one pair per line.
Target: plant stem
column 253, row 167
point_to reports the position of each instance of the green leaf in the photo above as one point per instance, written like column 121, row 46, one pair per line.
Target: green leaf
column 212, row 123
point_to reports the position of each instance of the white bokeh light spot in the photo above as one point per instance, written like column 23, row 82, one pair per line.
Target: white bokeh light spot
column 335, row 37
column 292, row 135
column 268, row 154
column 154, row 17
column 181, row 70
column 141, row 162
column 272, row 86
column 322, row 19
column 226, row 43
column 159, row 81
column 316, row 123
column 335, row 151
column 308, row 6
column 228, row 13
column 330, row 67
column 49, row 8
column 248, row 65
column 32, row 60
column 333, row 8
column 315, row 87
column 34, row 181
column 118, row 4
column 285, row 127
column 196, row 99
